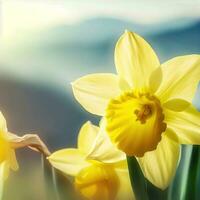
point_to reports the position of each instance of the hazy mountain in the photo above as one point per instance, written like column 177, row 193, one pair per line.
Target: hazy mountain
column 80, row 53
column 64, row 53
column 177, row 42
column 97, row 30
column 93, row 41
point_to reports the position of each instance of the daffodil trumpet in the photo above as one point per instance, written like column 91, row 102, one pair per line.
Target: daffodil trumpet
column 9, row 142
column 99, row 169
column 147, row 106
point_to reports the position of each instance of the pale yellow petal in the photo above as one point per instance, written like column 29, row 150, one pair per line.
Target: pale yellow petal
column 11, row 137
column 155, row 80
column 135, row 60
column 180, row 78
column 185, row 124
column 159, row 166
column 103, row 149
column 13, row 161
column 121, row 165
column 69, row 161
column 4, row 172
column 94, row 91
column 123, row 84
column 3, row 126
column 125, row 189
column 87, row 137
column 32, row 141
column 176, row 105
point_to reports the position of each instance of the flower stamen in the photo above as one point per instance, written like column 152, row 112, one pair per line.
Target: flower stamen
column 143, row 114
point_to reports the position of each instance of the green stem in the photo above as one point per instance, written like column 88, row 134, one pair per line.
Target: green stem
column 48, row 179
column 137, row 179
column 58, row 186
column 54, row 179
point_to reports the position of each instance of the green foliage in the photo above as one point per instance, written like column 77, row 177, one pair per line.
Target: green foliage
column 138, row 181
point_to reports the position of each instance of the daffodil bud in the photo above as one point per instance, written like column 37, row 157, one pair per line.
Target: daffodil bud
column 99, row 169
column 97, row 182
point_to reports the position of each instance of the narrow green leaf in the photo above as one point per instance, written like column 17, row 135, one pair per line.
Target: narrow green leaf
column 197, row 192
column 178, row 187
column 192, row 178
column 137, row 179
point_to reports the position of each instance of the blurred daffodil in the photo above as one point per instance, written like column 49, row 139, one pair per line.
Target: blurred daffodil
column 100, row 170
column 147, row 106
column 8, row 143
column 7, row 154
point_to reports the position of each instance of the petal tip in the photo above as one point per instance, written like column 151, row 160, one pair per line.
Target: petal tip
column 72, row 83
column 127, row 32
column 89, row 122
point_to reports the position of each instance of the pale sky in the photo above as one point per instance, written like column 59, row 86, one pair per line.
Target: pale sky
column 26, row 15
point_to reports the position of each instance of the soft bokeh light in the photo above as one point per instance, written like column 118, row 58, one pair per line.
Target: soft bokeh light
column 21, row 16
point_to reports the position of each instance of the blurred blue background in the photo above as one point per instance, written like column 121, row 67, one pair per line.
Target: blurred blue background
column 47, row 44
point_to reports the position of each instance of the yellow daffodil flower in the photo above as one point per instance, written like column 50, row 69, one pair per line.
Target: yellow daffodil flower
column 147, row 106
column 7, row 154
column 100, row 171
column 8, row 143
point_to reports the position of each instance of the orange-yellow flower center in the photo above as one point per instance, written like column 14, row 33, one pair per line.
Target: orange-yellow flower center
column 144, row 113
column 134, row 122
column 97, row 182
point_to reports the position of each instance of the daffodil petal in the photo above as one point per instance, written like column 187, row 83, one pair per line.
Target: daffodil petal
column 94, row 91
column 123, row 85
column 13, row 161
column 121, row 165
column 180, row 78
column 159, row 166
column 3, row 126
column 125, row 189
column 103, row 149
column 69, row 161
column 177, row 105
column 87, row 137
column 155, row 80
column 4, row 172
column 135, row 60
column 185, row 124
column 32, row 141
